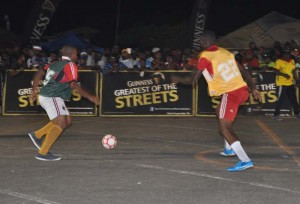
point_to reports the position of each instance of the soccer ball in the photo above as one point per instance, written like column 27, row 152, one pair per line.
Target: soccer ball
column 109, row 141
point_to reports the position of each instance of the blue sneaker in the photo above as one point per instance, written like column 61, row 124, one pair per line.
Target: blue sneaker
column 36, row 141
column 48, row 157
column 227, row 153
column 297, row 116
column 240, row 166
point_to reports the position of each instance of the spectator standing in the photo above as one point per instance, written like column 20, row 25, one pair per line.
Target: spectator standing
column 285, row 71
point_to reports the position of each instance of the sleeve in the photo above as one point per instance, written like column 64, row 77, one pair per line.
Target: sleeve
column 204, row 63
column 277, row 64
column 71, row 72
column 46, row 67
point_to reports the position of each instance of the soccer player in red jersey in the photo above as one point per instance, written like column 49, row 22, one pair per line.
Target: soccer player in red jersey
column 230, row 80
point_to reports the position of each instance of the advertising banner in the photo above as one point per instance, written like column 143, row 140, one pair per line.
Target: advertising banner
column 38, row 20
column 198, row 22
column 153, row 94
column 17, row 90
column 265, row 82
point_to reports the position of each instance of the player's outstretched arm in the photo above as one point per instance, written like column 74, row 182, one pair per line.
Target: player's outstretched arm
column 187, row 80
column 84, row 93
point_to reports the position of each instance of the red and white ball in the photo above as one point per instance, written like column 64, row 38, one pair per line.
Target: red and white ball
column 109, row 141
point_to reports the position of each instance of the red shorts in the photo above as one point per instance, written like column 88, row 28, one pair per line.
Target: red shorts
column 230, row 103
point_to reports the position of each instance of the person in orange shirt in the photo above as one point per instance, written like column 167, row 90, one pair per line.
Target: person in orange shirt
column 228, row 79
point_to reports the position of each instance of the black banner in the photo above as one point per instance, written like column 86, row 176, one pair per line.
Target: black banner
column 129, row 94
column 265, row 82
column 198, row 22
column 38, row 20
column 17, row 90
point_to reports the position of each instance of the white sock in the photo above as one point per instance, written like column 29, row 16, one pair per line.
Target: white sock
column 240, row 152
column 227, row 145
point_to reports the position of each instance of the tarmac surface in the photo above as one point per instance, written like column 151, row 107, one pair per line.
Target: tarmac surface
column 156, row 161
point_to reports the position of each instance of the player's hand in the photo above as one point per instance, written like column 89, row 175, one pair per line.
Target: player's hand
column 256, row 95
column 32, row 97
column 95, row 100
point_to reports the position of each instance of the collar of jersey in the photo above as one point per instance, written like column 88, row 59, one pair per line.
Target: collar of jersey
column 212, row 48
column 65, row 58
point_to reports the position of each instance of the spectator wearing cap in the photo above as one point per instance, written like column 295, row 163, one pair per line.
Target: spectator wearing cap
column 82, row 59
column 125, row 61
column 151, row 58
column 157, row 62
column 285, row 71
column 37, row 60
column 267, row 63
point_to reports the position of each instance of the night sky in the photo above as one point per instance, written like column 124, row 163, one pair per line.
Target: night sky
column 224, row 16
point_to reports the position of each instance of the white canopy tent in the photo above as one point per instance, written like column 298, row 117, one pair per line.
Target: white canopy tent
column 264, row 32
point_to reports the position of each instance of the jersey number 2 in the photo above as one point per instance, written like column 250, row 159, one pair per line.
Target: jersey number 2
column 228, row 70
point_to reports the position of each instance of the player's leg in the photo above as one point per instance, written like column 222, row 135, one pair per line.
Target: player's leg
column 227, row 114
column 36, row 136
column 228, row 151
column 281, row 93
column 58, row 114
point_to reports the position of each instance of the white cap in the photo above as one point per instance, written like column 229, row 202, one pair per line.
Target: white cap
column 155, row 49
column 128, row 50
column 36, row 47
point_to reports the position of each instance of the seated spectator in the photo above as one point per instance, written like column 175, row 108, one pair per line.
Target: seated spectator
column 52, row 58
column 267, row 63
column 82, row 59
column 250, row 60
column 37, row 59
column 135, row 59
column 125, row 61
column 253, row 47
column 192, row 61
column 19, row 66
column 170, row 64
column 90, row 61
column 110, row 66
column 100, row 59
column 151, row 57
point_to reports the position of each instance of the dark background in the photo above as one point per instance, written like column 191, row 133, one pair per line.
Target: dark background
column 224, row 16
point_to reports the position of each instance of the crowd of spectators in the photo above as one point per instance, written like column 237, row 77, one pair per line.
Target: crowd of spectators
column 115, row 59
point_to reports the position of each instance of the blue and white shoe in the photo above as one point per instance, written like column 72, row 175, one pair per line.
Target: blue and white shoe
column 228, row 153
column 48, row 157
column 240, row 166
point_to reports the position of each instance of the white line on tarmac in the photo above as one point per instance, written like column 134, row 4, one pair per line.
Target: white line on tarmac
column 218, row 178
column 27, row 197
